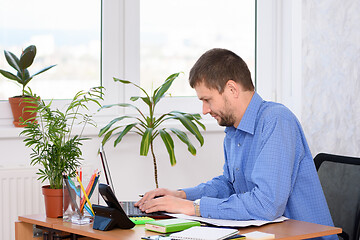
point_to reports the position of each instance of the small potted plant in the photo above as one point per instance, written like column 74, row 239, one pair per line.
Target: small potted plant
column 55, row 148
column 22, row 77
column 149, row 126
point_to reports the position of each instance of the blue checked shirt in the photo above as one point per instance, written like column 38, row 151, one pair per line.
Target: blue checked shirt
column 268, row 172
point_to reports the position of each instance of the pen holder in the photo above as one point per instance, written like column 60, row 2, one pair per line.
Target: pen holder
column 77, row 207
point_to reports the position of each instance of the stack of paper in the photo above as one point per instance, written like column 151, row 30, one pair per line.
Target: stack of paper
column 205, row 233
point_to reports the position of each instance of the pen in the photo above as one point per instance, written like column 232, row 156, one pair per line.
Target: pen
column 142, row 195
column 156, row 237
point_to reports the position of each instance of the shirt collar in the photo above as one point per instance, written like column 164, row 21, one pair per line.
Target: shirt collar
column 247, row 123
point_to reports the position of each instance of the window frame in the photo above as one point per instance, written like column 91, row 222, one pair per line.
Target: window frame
column 278, row 59
column 279, row 52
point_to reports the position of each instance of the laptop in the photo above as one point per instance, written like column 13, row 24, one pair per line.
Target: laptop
column 107, row 191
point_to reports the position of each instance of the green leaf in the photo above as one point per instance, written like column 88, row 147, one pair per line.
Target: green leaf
column 164, row 87
column 169, row 144
column 184, row 138
column 12, row 60
column 134, row 98
column 24, row 76
column 118, row 105
column 30, row 48
column 122, row 81
column 145, row 142
column 129, row 82
column 189, row 125
column 112, row 122
column 11, row 76
column 123, row 133
column 43, row 70
column 123, row 105
column 196, row 117
column 27, row 57
column 109, row 134
column 146, row 100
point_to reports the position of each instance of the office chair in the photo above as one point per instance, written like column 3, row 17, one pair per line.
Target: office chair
column 340, row 180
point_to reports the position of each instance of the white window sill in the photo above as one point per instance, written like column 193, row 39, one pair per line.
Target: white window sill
column 7, row 129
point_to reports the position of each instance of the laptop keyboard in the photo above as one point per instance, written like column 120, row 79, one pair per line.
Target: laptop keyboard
column 131, row 210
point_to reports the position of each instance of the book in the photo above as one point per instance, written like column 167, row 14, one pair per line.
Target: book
column 236, row 237
column 259, row 235
column 205, row 233
column 170, row 225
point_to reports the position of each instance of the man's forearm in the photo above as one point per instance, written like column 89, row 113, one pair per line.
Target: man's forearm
column 181, row 194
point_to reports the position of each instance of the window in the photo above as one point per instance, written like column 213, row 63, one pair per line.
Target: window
column 174, row 34
column 66, row 33
column 278, row 49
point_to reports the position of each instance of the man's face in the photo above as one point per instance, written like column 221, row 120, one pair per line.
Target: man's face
column 216, row 104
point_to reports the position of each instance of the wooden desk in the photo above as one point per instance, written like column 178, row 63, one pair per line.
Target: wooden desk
column 290, row 229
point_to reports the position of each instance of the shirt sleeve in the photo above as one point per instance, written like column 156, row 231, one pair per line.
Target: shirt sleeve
column 218, row 187
column 271, row 177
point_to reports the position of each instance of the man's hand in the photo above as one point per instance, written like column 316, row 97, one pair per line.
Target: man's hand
column 169, row 204
column 159, row 192
column 162, row 199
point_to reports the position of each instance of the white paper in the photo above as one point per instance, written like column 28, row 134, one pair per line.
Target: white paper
column 204, row 233
column 227, row 223
column 259, row 235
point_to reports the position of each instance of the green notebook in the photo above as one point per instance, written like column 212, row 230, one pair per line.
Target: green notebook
column 170, row 225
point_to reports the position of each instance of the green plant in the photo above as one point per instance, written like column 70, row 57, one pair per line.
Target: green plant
column 51, row 138
column 20, row 65
column 149, row 126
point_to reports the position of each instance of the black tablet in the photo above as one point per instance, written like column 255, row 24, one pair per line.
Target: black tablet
column 112, row 216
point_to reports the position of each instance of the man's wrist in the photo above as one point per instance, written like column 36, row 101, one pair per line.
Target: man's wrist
column 181, row 194
column 197, row 207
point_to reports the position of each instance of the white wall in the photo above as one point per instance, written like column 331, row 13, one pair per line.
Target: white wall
column 331, row 76
column 133, row 174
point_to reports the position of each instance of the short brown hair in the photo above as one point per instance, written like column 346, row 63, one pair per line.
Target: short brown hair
column 216, row 66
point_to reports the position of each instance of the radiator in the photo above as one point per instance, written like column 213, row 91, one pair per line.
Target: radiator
column 20, row 194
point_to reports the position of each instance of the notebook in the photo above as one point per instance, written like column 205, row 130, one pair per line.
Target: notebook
column 205, row 233
column 170, row 225
column 127, row 206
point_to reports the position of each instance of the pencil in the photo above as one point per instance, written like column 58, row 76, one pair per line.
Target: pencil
column 72, row 197
column 87, row 199
column 88, row 189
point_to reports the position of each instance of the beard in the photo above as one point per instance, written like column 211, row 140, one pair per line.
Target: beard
column 225, row 119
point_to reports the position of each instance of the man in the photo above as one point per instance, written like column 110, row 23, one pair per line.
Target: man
column 268, row 171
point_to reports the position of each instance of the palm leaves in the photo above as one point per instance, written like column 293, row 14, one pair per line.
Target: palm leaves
column 150, row 126
column 50, row 138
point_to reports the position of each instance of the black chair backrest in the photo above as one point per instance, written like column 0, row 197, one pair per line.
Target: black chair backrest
column 340, row 179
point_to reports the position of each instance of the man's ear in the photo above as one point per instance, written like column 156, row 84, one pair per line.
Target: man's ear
column 233, row 88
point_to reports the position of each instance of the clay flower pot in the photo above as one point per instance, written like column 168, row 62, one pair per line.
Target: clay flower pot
column 53, row 201
column 18, row 109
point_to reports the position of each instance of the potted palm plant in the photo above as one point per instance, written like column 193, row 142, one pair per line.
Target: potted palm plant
column 149, row 126
column 22, row 77
column 55, row 148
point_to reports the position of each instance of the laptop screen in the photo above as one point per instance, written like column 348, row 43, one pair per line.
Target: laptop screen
column 105, row 165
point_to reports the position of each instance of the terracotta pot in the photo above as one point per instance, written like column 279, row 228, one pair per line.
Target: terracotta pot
column 17, row 107
column 53, row 201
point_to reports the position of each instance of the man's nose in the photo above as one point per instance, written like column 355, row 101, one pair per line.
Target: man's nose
column 206, row 108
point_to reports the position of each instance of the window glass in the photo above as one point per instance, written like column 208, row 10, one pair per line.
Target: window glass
column 66, row 33
column 174, row 34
